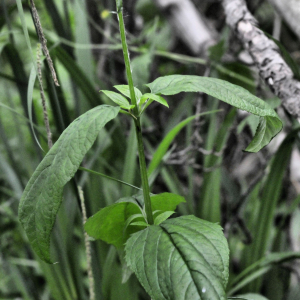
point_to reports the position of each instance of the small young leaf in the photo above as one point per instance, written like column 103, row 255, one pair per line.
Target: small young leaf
column 163, row 217
column 124, row 89
column 154, row 97
column 183, row 258
column 108, row 224
column 42, row 196
column 131, row 218
column 111, row 224
column 141, row 223
column 270, row 124
column 118, row 99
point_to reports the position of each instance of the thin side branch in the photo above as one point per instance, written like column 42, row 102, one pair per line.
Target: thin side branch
column 265, row 53
column 43, row 41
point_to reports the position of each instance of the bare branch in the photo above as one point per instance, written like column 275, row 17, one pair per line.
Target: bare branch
column 265, row 53
column 43, row 41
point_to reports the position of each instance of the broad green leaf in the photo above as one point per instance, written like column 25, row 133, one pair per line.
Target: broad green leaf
column 130, row 219
column 109, row 223
column 43, row 194
column 249, row 297
column 118, row 99
column 154, row 97
column 124, row 89
column 182, row 259
column 163, row 217
column 269, row 125
column 165, row 202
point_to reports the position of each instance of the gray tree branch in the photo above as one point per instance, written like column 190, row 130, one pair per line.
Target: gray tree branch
column 265, row 53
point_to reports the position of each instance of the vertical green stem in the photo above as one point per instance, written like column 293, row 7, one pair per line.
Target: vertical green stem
column 143, row 168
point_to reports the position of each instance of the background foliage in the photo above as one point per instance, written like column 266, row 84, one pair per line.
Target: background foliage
column 253, row 196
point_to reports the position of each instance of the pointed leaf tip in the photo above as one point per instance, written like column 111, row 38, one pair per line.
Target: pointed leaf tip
column 270, row 124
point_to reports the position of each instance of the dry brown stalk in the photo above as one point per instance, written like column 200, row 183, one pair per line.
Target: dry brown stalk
column 40, row 79
column 43, row 41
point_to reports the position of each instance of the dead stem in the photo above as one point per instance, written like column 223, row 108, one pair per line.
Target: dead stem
column 40, row 78
column 43, row 41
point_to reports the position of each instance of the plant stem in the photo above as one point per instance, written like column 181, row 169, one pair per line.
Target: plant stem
column 126, row 58
column 143, row 170
column 137, row 122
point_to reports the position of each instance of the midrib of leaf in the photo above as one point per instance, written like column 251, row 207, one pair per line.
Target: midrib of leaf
column 229, row 93
column 196, row 250
column 169, row 251
column 183, row 258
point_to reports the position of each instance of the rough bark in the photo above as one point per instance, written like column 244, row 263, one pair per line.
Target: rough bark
column 272, row 68
column 290, row 11
column 189, row 25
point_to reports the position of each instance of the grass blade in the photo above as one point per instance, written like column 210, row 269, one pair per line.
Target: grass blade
column 168, row 139
column 31, row 82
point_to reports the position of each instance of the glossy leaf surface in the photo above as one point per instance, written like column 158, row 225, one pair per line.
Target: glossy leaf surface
column 43, row 194
column 181, row 259
column 270, row 124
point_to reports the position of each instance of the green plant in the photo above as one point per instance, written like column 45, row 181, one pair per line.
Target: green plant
column 178, row 258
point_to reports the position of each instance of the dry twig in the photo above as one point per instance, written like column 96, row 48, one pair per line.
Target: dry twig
column 40, row 78
column 43, row 41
